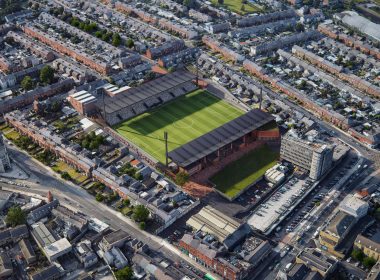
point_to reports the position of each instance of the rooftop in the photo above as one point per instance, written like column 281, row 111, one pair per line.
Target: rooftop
column 42, row 234
column 210, row 142
column 57, row 247
column 214, row 222
column 146, row 90
column 340, row 223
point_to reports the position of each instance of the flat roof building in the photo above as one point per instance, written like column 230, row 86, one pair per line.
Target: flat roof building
column 334, row 232
column 354, row 206
column 42, row 235
column 314, row 157
column 316, row 260
column 114, row 239
column 57, row 249
column 214, row 222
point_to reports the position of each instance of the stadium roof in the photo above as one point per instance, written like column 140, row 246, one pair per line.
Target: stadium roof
column 219, row 137
column 147, row 90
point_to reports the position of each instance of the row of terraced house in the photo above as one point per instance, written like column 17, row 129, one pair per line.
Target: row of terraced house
column 330, row 116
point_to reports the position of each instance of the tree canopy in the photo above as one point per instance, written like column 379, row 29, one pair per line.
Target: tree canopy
column 116, row 39
column 125, row 273
column 130, row 43
column 27, row 83
column 15, row 216
column 140, row 213
column 47, row 75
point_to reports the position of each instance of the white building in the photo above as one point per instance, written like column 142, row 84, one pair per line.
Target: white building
column 57, row 249
column 354, row 206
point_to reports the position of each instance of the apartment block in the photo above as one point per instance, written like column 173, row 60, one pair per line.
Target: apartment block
column 313, row 157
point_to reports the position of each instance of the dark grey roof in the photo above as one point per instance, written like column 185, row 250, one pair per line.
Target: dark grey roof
column 19, row 231
column 313, row 275
column 51, row 272
column 116, row 236
column 4, row 235
column 147, row 90
column 5, row 262
column 42, row 211
column 298, row 272
column 219, row 137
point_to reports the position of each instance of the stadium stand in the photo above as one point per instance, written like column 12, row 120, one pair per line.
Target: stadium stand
column 194, row 155
column 147, row 96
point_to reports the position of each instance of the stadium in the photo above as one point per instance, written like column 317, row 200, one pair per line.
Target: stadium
column 206, row 135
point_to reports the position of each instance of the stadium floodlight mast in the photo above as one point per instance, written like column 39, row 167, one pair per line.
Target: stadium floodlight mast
column 166, row 148
column 197, row 69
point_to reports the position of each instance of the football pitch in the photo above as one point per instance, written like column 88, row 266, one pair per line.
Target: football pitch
column 238, row 175
column 185, row 119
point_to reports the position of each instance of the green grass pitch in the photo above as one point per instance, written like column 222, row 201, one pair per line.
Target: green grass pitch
column 185, row 119
column 239, row 174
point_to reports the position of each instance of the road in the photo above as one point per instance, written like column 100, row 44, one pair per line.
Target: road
column 318, row 215
column 43, row 179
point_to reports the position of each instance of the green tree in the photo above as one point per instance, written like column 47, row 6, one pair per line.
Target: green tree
column 66, row 176
column 125, row 273
column 138, row 176
column 126, row 202
column 99, row 34
column 368, row 262
column 242, row 8
column 27, row 83
column 107, row 36
column 47, row 75
column 220, row 2
column 99, row 197
column 116, row 39
column 93, row 146
column 142, row 225
column 130, row 43
column 181, row 178
column 15, row 216
column 357, row 254
column 140, row 213
column 75, row 22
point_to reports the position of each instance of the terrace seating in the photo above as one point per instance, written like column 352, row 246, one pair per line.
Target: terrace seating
column 151, row 102
column 139, row 108
column 166, row 96
column 190, row 87
column 177, row 92
column 127, row 113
